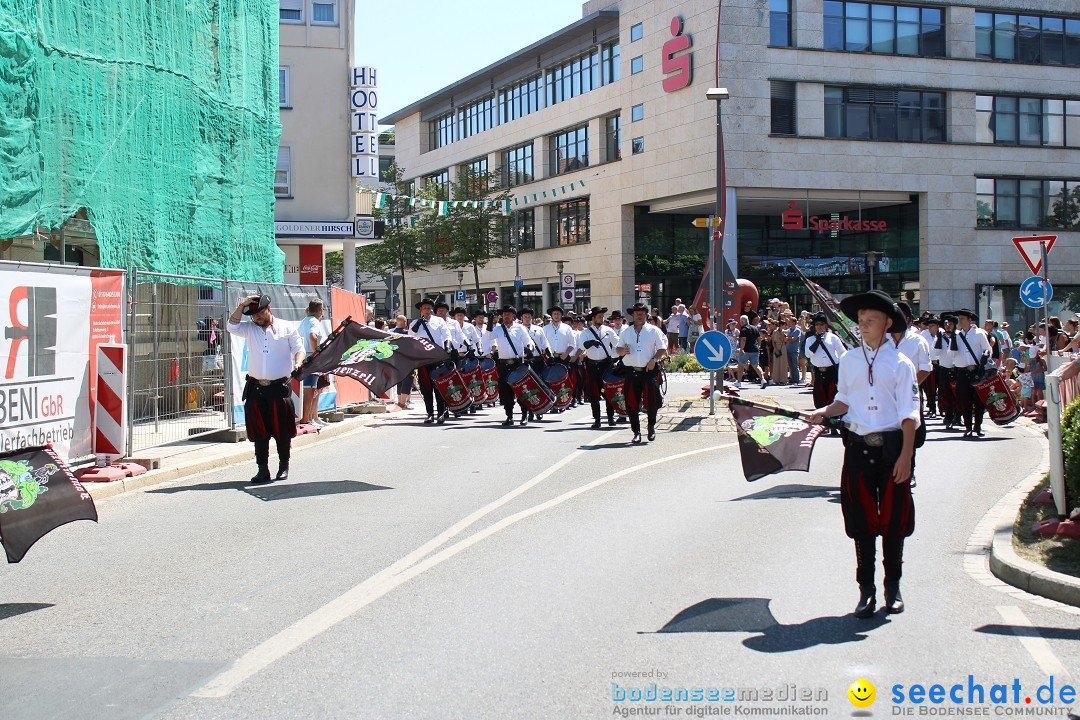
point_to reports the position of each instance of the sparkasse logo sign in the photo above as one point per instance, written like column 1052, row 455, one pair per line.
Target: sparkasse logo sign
column 794, row 219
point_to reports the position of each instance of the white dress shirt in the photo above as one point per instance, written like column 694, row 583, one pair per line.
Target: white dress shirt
column 537, row 335
column 893, row 398
column 433, row 329
column 560, row 337
column 608, row 340
column 931, row 340
column 914, row 347
column 830, row 342
column 473, row 336
column 946, row 357
column 980, row 345
column 501, row 337
column 271, row 349
column 457, row 335
column 642, row 345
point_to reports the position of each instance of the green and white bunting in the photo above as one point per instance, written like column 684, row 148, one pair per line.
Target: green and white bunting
column 443, row 207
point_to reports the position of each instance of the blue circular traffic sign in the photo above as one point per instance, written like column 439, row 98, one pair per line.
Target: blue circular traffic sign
column 1036, row 293
column 713, row 350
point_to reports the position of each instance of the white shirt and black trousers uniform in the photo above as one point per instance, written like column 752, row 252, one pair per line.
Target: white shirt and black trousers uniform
column 512, row 345
column 599, row 344
column 824, row 351
column 433, row 329
column 972, row 353
column 642, row 385
column 946, row 373
column 880, row 390
column 268, row 408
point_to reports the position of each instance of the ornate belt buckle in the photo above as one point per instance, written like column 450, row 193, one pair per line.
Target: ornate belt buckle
column 264, row 383
column 875, row 439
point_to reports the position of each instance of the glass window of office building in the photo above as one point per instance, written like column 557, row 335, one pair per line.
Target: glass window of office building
column 1027, row 203
column 1033, row 39
column 518, row 165
column 569, row 150
column 570, row 222
column 883, row 114
column 886, row 29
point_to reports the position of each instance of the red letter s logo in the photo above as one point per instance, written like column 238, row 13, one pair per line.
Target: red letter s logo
column 681, row 66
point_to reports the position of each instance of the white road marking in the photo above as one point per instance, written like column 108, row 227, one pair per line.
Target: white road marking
column 405, row 569
column 1034, row 643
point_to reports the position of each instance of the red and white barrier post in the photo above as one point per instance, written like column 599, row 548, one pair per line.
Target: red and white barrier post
column 110, row 403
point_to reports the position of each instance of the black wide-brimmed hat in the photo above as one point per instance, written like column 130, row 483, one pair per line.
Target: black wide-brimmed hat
column 932, row 320
column 819, row 317
column 616, row 315
column 508, row 309
column 904, row 308
column 964, row 312
column 526, row 311
column 442, row 304
column 948, row 317
column 459, row 309
column 256, row 305
column 875, row 300
column 638, row 307
column 555, row 308
column 478, row 312
column 596, row 310
column 423, row 302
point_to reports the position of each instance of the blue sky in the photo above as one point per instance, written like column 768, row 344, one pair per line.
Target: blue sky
column 421, row 46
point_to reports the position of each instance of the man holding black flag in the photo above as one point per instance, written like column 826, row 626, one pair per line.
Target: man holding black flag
column 274, row 350
column 599, row 342
column 433, row 329
column 879, row 397
column 643, row 347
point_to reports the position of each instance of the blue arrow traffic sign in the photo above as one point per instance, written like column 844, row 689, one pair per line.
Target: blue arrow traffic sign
column 713, row 350
column 1036, row 292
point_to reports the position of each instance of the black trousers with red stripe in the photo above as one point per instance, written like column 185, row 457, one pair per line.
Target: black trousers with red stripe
column 825, row 385
column 929, row 388
column 427, row 389
column 642, row 393
column 594, row 386
column 268, row 413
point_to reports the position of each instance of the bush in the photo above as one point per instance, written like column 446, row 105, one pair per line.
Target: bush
column 683, row 362
column 1070, row 446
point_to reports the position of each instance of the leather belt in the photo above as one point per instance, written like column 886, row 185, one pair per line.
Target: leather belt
column 267, row 383
column 876, row 439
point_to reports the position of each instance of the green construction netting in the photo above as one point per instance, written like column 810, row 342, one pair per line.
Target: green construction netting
column 160, row 117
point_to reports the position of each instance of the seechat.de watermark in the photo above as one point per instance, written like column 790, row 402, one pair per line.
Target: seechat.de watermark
column 974, row 699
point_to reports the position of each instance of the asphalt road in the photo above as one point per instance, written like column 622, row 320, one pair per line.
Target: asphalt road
column 472, row 571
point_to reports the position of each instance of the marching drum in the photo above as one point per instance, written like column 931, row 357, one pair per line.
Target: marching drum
column 490, row 374
column 557, row 378
column 448, row 381
column 999, row 401
column 530, row 390
column 615, row 391
column 474, row 380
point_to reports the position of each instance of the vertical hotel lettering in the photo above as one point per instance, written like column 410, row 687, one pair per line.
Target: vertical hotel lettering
column 364, row 100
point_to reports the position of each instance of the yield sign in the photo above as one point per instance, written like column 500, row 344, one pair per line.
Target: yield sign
column 1029, row 249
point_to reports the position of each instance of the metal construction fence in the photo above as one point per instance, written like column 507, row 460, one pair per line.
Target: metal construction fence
column 1060, row 392
column 179, row 375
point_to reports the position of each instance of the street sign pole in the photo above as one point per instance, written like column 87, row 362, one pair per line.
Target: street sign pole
column 1046, row 304
column 712, row 308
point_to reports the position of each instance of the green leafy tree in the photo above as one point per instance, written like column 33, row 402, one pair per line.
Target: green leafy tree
column 473, row 236
column 1065, row 212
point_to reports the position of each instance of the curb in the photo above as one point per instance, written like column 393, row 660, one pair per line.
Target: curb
column 1007, row 565
column 241, row 454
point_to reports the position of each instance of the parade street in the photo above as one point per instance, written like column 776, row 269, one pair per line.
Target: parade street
column 551, row 571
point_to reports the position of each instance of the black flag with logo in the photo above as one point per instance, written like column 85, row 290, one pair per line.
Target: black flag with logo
column 840, row 323
column 378, row 359
column 772, row 439
column 38, row 494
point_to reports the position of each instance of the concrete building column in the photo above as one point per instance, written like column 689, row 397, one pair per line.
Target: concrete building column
column 348, row 263
column 597, row 141
column 541, row 157
column 542, row 226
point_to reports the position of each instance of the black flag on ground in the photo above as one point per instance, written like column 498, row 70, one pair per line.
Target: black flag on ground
column 38, row 494
column 379, row 360
column 840, row 323
column 771, row 439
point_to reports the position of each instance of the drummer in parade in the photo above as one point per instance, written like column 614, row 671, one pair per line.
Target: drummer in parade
column 971, row 355
column 435, row 330
column 642, row 347
column 599, row 342
column 618, row 321
column 577, row 362
column 930, row 334
column 539, row 339
column 511, row 342
column 560, row 337
column 473, row 340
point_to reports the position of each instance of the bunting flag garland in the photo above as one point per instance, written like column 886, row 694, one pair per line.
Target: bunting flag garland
column 442, row 206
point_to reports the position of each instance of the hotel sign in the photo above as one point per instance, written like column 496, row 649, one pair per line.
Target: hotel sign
column 324, row 229
column 364, row 128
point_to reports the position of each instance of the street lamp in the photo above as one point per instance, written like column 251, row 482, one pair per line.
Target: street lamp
column 871, row 260
column 517, row 267
column 716, row 264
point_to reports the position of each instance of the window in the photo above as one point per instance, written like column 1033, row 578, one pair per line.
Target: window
column 609, row 63
column 569, row 151
column 476, row 117
column 612, row 132
column 324, row 12
column 884, row 114
column 637, row 145
column 1007, row 120
column 1027, row 203
column 573, row 78
column 522, row 99
column 886, row 29
column 439, row 183
column 637, row 65
column 284, row 87
column 518, row 165
column 782, row 120
column 780, row 23
column 478, row 169
column 283, row 173
column 637, row 113
column 521, row 229
column 291, row 11
column 571, row 223
column 636, row 32
column 1032, row 39
column 442, row 131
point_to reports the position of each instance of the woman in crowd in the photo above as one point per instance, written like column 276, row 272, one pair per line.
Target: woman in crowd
column 779, row 368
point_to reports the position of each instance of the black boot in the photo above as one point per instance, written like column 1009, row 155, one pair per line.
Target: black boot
column 892, row 551
column 509, row 421
column 282, row 471
column 865, row 551
column 596, row 423
column 263, row 475
column 867, row 601
column 524, row 418
column 284, row 451
column 894, row 603
column 262, row 461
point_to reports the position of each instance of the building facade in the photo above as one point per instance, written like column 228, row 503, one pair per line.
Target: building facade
column 316, row 199
column 910, row 141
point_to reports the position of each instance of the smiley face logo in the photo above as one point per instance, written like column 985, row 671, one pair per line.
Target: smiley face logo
column 862, row 693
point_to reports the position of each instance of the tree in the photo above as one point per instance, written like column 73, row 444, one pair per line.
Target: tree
column 1065, row 212
column 474, row 233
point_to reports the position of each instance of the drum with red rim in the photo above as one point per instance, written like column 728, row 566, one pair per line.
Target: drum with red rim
column 474, row 379
column 998, row 399
column 449, row 383
column 530, row 390
column 615, row 391
column 490, row 373
column 557, row 378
